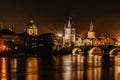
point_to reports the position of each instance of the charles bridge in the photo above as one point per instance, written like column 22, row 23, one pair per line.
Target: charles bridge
column 96, row 50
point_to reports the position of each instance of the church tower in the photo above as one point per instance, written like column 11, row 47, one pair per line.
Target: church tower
column 69, row 34
column 31, row 28
column 91, row 33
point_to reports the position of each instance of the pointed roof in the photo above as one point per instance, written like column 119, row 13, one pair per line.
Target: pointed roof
column 69, row 23
column 91, row 26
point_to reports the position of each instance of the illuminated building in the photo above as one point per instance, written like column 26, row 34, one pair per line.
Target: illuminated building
column 69, row 34
column 79, row 42
column 91, row 33
column 95, row 41
column 31, row 29
column 87, row 42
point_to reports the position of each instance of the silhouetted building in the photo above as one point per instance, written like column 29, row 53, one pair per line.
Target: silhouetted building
column 11, row 39
column 47, row 43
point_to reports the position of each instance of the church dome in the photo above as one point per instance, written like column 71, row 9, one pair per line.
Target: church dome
column 31, row 28
column 31, row 25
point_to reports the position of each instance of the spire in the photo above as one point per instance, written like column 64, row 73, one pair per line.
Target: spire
column 69, row 23
column 91, row 26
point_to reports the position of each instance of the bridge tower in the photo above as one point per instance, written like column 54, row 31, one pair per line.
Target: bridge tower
column 69, row 34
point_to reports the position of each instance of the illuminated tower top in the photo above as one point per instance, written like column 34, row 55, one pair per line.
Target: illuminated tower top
column 69, row 34
column 91, row 33
column 91, row 26
column 69, row 24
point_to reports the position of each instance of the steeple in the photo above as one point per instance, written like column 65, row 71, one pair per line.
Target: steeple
column 69, row 23
column 91, row 26
column 69, row 34
column 91, row 33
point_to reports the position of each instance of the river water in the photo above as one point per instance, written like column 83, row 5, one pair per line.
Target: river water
column 67, row 67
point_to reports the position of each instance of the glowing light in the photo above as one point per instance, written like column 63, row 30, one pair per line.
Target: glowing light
column 3, row 47
column 3, row 72
column 32, row 69
column 60, row 35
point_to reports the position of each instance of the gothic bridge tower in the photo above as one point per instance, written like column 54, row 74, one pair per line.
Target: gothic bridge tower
column 69, row 34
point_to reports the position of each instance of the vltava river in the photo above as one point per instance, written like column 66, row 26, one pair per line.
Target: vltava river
column 67, row 67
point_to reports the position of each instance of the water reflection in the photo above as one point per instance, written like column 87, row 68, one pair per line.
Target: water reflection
column 117, row 67
column 3, row 69
column 13, row 69
column 67, row 67
column 79, row 68
column 32, row 69
column 117, row 73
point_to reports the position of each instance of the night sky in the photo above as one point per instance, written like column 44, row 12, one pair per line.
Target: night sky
column 51, row 15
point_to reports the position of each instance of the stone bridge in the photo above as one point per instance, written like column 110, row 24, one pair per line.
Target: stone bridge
column 96, row 50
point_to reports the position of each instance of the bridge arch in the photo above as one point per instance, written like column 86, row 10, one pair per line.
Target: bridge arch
column 114, row 51
column 95, row 51
column 76, row 51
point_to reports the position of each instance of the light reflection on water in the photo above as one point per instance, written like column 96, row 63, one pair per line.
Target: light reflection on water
column 3, row 69
column 13, row 69
column 32, row 69
column 67, row 67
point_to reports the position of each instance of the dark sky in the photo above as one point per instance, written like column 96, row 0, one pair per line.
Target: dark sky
column 51, row 15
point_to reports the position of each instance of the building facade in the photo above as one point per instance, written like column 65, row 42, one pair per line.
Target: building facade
column 69, row 34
